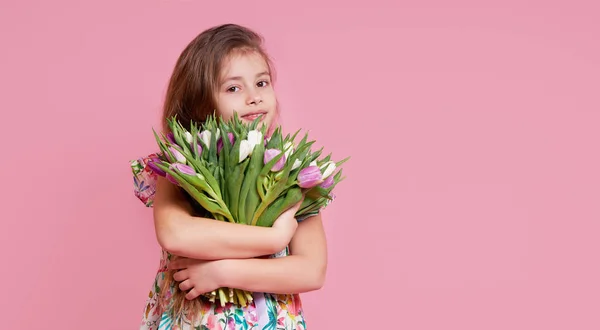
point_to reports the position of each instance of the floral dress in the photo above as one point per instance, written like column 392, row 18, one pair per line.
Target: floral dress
column 266, row 312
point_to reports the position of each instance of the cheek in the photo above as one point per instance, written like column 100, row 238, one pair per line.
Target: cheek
column 225, row 107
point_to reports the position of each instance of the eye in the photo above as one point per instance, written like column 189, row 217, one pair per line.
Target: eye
column 232, row 89
column 263, row 83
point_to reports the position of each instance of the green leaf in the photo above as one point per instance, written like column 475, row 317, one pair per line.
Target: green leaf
column 248, row 194
column 234, row 182
column 274, row 192
column 208, row 176
column 202, row 199
column 280, row 205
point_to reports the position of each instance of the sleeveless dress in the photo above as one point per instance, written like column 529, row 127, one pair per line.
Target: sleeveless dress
column 266, row 312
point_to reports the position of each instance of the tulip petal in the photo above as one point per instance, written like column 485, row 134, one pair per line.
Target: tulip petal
column 245, row 150
column 172, row 179
column 155, row 168
column 179, row 157
column 272, row 153
column 309, row 177
column 184, row 169
column 328, row 182
column 171, row 138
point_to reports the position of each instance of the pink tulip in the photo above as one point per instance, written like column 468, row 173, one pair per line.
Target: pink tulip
column 328, row 182
column 220, row 142
column 172, row 179
column 309, row 177
column 272, row 153
column 182, row 168
column 179, row 157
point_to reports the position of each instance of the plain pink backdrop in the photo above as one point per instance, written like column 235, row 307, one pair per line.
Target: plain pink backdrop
column 472, row 198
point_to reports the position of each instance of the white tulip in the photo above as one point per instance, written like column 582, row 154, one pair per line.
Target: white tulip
column 255, row 137
column 313, row 163
column 189, row 138
column 245, row 150
column 205, row 137
column 297, row 164
column 329, row 168
column 288, row 147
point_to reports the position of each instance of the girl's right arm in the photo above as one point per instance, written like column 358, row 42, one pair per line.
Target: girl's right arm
column 182, row 234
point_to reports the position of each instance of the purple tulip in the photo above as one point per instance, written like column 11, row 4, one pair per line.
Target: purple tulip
column 154, row 168
column 171, row 138
column 309, row 177
column 272, row 153
column 182, row 168
column 199, row 149
column 328, row 182
column 220, row 142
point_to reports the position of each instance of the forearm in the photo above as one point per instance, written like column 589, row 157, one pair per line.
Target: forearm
column 287, row 275
column 209, row 239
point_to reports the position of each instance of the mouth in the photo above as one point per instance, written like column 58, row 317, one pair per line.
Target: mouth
column 251, row 116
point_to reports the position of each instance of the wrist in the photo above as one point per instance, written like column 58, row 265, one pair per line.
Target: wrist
column 227, row 272
column 278, row 241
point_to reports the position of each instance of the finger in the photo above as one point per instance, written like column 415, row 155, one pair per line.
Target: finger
column 181, row 275
column 179, row 263
column 186, row 285
column 193, row 294
column 294, row 208
column 297, row 206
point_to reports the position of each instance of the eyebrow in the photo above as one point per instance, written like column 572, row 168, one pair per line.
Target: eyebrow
column 240, row 78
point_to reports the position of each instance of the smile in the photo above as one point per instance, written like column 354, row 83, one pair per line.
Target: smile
column 253, row 115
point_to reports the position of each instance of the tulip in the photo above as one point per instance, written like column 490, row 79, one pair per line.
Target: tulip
column 313, row 163
column 327, row 183
column 272, row 153
column 188, row 137
column 289, row 149
column 178, row 155
column 309, row 177
column 171, row 138
column 297, row 164
column 172, row 179
column 205, row 137
column 154, row 168
column 184, row 169
column 329, row 168
column 220, row 142
column 254, row 137
column 245, row 150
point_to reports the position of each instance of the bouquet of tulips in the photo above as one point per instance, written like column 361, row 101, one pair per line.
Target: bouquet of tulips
column 231, row 172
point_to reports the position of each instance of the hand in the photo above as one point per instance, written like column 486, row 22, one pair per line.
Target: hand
column 196, row 276
column 286, row 224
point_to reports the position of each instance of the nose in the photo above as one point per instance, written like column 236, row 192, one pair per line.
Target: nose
column 254, row 97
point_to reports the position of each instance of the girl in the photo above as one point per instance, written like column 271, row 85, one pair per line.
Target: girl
column 226, row 68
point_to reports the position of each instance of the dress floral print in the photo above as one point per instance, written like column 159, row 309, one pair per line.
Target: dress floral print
column 266, row 312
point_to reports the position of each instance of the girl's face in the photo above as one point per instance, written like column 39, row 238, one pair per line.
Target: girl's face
column 245, row 87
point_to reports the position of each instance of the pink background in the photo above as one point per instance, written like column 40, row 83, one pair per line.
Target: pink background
column 474, row 205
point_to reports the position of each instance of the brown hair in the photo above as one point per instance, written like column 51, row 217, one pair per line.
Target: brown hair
column 191, row 97
column 191, row 91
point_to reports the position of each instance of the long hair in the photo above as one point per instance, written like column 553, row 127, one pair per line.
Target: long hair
column 193, row 84
column 191, row 96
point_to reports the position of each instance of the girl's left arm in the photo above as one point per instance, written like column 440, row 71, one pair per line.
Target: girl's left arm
column 302, row 271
